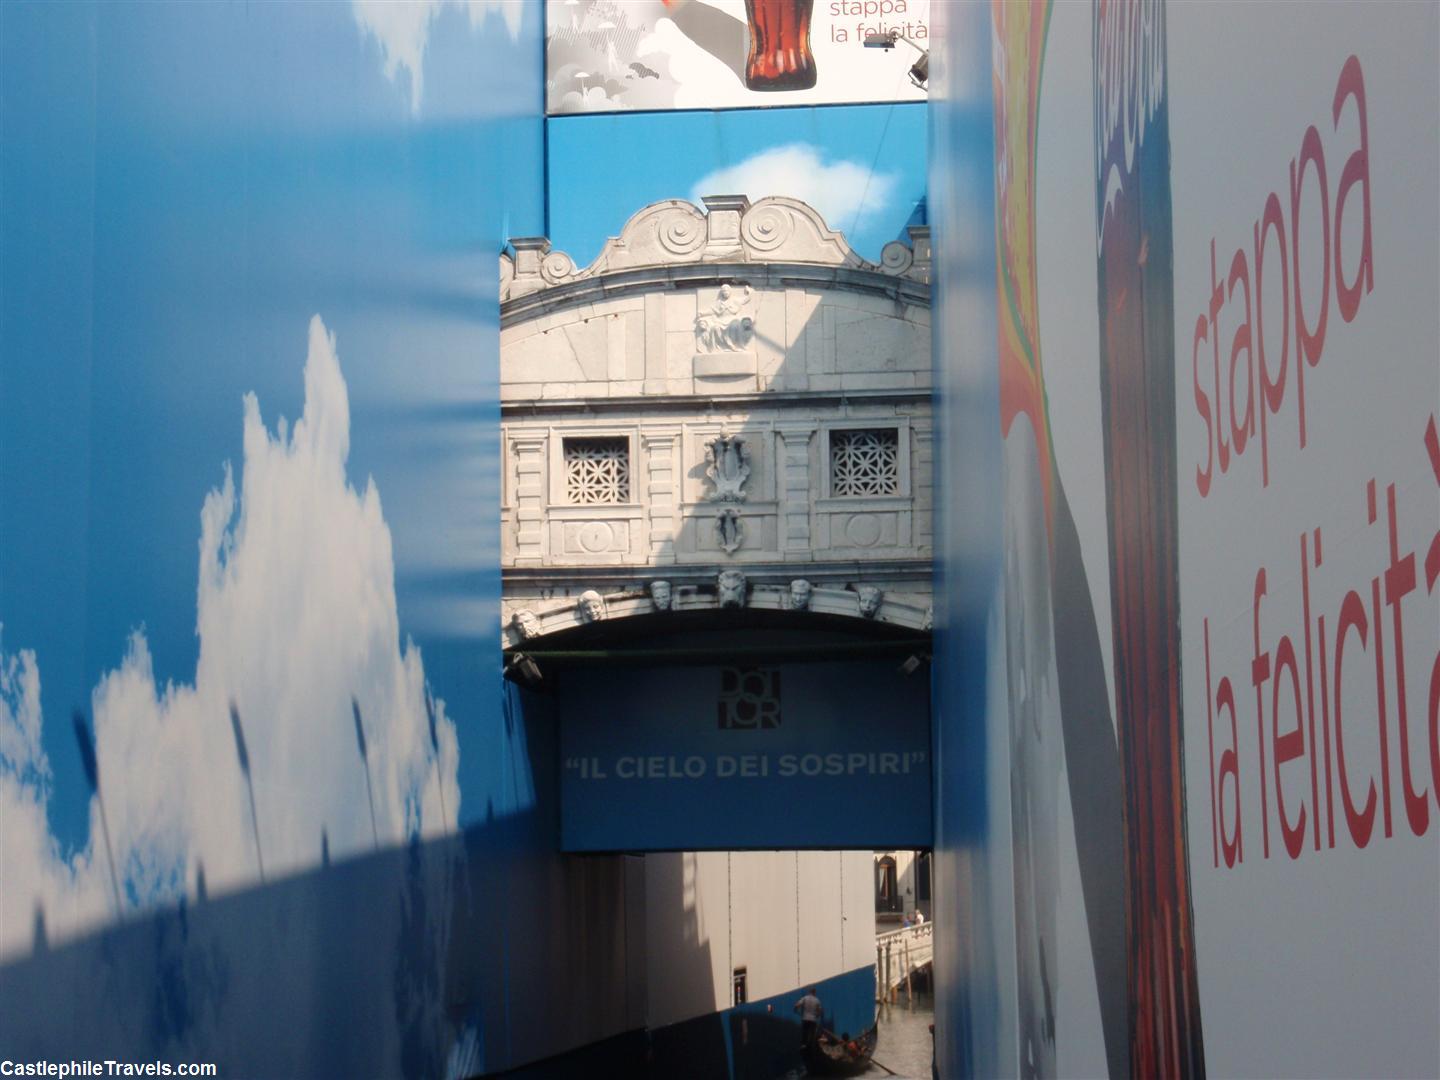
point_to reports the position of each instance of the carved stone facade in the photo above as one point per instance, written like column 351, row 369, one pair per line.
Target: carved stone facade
column 728, row 394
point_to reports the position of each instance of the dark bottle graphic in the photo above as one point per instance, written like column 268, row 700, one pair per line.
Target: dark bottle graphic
column 1137, row 375
column 780, row 56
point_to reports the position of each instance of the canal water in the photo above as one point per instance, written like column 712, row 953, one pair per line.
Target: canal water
column 905, row 1044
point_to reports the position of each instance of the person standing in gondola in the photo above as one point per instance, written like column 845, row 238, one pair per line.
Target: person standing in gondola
column 810, row 1011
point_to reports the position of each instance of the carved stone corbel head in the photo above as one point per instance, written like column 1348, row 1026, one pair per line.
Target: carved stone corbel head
column 591, row 607
column 731, row 586
column 525, row 624
column 870, row 600
column 800, row 594
column 660, row 595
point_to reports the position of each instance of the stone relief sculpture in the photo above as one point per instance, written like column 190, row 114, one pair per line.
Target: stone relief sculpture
column 724, row 328
column 731, row 585
column 729, row 467
column 729, row 533
column 526, row 624
column 660, row 595
column 870, row 598
column 800, row 593
column 591, row 607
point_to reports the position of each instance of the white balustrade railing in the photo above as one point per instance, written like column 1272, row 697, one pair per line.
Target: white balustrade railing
column 899, row 954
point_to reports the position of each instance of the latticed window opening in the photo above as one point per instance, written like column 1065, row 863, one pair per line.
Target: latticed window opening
column 865, row 462
column 597, row 470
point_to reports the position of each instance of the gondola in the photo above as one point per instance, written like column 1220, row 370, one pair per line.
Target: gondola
column 830, row 1055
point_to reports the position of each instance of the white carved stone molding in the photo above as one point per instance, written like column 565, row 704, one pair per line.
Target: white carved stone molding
column 723, row 225
column 795, row 493
column 896, row 257
column 923, row 464
column 729, row 530
column 776, row 229
column 673, row 231
column 507, row 276
column 557, row 268
column 527, row 451
column 524, row 620
column 781, row 229
column 525, row 274
column 661, row 481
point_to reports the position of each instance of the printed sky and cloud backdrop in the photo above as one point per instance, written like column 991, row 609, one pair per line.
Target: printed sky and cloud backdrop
column 862, row 167
column 249, row 326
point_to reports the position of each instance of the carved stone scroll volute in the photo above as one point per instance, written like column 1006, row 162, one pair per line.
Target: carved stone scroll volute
column 729, row 468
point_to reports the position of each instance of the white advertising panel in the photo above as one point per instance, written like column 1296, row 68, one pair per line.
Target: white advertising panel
column 622, row 55
column 1303, row 170
column 1218, row 275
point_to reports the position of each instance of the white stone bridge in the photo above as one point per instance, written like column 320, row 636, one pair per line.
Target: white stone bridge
column 899, row 956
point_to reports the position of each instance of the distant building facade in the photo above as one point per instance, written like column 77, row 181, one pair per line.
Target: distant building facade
column 729, row 391
column 902, row 887
column 728, row 409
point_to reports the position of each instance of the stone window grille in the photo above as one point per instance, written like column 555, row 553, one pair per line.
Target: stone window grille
column 865, row 462
column 597, row 470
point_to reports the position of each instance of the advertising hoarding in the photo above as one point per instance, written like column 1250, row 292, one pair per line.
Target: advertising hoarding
column 1220, row 571
column 611, row 56
column 820, row 755
column 249, row 765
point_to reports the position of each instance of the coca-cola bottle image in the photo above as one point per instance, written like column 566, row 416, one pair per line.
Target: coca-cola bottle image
column 780, row 56
column 1137, row 376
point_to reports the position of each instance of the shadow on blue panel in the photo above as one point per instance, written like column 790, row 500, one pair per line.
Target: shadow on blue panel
column 449, row 957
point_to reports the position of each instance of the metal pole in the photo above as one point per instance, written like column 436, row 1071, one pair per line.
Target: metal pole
column 909, row 999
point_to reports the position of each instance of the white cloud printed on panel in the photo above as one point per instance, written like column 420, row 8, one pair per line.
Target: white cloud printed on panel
column 402, row 29
column 297, row 622
column 845, row 192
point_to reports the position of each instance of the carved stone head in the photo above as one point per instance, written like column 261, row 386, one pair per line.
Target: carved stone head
column 660, row 595
column 870, row 598
column 800, row 593
column 732, row 588
column 525, row 624
column 591, row 607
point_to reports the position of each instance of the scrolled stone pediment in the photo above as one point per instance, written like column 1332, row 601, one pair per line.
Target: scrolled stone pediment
column 780, row 229
column 730, row 229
